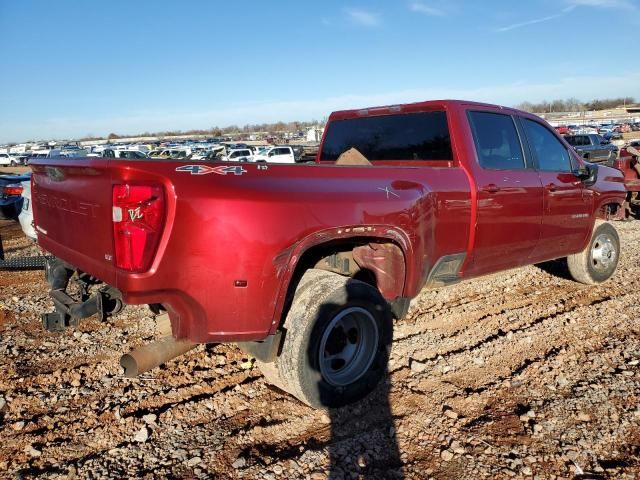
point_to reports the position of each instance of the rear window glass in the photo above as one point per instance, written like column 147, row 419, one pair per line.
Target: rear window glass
column 413, row 136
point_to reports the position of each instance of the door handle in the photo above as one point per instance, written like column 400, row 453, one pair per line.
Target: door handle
column 491, row 188
column 552, row 187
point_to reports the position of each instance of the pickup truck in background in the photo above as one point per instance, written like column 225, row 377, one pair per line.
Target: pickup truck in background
column 593, row 148
column 277, row 154
column 11, row 194
column 238, row 155
column 306, row 265
column 9, row 160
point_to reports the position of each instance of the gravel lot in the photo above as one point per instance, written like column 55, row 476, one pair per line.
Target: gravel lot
column 521, row 374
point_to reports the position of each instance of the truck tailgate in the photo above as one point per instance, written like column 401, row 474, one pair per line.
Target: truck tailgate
column 72, row 212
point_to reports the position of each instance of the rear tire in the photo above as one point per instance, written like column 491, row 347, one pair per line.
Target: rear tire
column 337, row 339
column 598, row 262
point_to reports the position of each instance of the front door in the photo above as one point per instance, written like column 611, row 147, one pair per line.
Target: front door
column 566, row 220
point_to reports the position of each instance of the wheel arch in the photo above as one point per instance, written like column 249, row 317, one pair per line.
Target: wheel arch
column 378, row 256
column 610, row 209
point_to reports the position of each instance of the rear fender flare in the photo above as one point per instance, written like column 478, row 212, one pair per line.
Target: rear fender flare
column 287, row 261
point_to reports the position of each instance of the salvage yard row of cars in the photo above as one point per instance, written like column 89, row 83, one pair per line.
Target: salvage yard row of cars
column 610, row 131
column 202, row 151
column 398, row 199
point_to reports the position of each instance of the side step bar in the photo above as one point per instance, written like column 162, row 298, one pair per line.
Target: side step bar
column 38, row 262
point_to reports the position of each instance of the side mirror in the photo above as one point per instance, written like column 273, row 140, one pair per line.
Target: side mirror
column 588, row 174
column 583, row 173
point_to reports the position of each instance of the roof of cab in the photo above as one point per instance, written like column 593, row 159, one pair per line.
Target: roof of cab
column 417, row 107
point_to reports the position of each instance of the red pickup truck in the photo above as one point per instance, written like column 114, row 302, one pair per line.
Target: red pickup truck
column 305, row 265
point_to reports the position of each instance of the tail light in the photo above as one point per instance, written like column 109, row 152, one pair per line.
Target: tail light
column 138, row 218
column 12, row 190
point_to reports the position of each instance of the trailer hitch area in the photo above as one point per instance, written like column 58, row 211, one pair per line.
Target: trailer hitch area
column 105, row 302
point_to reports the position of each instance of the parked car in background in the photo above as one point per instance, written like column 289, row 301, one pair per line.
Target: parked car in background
column 26, row 213
column 613, row 136
column 563, row 130
column 277, row 154
column 238, row 155
column 585, row 130
column 593, row 148
column 128, row 154
column 67, row 153
column 11, row 194
column 8, row 160
column 38, row 154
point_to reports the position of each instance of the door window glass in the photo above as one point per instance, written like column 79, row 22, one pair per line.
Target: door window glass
column 497, row 141
column 550, row 153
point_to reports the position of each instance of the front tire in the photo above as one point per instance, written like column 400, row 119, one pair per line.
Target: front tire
column 598, row 262
column 338, row 335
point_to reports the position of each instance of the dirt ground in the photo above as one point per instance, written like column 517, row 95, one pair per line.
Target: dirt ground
column 521, row 374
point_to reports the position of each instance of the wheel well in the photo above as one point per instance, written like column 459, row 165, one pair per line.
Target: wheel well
column 377, row 262
column 610, row 211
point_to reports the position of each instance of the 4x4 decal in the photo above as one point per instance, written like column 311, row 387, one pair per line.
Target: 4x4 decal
column 206, row 169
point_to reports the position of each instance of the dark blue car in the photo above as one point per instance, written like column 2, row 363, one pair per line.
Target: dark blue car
column 11, row 194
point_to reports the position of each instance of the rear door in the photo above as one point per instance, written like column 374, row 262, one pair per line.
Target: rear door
column 566, row 219
column 509, row 199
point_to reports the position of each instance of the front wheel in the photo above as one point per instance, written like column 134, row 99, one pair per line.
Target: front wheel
column 337, row 339
column 598, row 262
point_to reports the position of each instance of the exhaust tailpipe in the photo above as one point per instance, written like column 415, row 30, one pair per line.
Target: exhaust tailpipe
column 150, row 356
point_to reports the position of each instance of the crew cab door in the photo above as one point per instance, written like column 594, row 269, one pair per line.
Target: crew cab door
column 509, row 195
column 566, row 218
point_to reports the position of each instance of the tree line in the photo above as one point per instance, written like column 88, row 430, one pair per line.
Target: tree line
column 574, row 105
column 271, row 128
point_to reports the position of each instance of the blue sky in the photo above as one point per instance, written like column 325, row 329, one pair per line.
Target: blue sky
column 72, row 68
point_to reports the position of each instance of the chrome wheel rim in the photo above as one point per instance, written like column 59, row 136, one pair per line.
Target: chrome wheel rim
column 603, row 253
column 348, row 346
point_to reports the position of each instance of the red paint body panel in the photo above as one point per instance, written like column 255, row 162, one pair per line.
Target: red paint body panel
column 625, row 164
column 256, row 226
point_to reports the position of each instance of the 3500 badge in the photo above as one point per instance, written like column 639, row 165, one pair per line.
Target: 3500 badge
column 205, row 169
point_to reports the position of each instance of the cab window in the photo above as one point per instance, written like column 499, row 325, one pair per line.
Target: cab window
column 550, row 153
column 407, row 136
column 497, row 142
